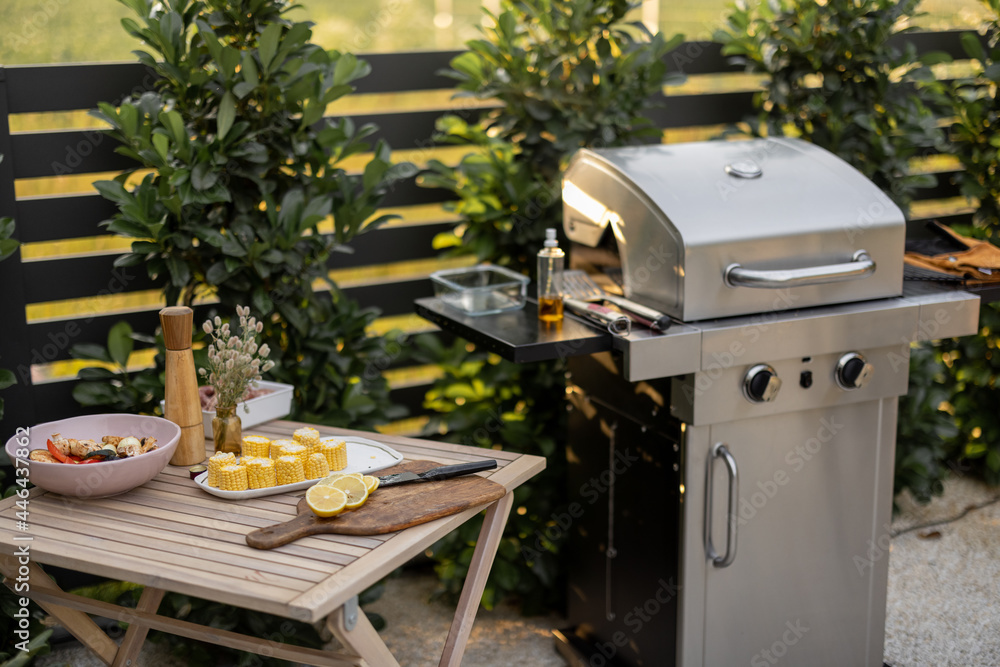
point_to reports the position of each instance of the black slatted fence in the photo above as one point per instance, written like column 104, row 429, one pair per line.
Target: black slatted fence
column 37, row 341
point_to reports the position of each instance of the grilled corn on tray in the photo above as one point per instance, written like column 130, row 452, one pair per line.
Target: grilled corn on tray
column 265, row 470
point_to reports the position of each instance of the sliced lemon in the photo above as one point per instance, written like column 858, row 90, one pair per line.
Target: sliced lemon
column 356, row 490
column 356, row 475
column 326, row 500
column 330, row 479
column 370, row 482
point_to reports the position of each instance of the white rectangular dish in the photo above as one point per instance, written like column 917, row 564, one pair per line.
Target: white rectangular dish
column 276, row 405
column 363, row 455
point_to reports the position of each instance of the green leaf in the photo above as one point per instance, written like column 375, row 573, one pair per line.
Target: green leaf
column 173, row 121
column 120, row 343
column 180, row 273
column 8, row 247
column 227, row 113
column 268, row 45
column 7, row 378
column 162, row 145
column 972, row 46
column 90, row 351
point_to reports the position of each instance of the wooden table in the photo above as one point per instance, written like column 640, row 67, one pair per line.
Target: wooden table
column 169, row 535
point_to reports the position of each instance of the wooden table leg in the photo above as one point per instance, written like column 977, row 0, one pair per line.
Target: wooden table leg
column 475, row 581
column 353, row 629
column 135, row 636
column 76, row 622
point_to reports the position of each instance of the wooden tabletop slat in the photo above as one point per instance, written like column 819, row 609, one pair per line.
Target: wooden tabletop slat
column 72, row 532
column 54, row 547
column 170, row 534
column 189, row 545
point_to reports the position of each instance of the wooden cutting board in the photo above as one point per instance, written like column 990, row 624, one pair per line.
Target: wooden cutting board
column 387, row 510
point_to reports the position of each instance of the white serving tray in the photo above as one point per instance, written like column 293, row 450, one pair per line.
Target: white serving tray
column 363, row 455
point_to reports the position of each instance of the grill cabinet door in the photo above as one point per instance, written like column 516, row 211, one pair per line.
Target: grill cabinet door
column 805, row 587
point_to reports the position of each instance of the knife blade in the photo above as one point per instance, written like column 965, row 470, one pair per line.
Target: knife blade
column 434, row 474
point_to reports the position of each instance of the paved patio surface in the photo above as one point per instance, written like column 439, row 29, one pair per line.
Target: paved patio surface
column 943, row 611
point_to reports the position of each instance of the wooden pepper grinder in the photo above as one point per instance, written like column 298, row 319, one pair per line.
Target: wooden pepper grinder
column 182, row 405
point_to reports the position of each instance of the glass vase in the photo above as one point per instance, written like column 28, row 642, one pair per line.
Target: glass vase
column 227, row 430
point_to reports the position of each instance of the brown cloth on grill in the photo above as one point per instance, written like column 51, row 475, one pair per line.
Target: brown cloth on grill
column 980, row 262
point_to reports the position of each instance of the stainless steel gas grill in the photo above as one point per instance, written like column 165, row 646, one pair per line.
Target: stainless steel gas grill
column 731, row 478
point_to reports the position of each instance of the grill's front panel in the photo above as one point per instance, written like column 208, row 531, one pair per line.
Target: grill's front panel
column 804, row 588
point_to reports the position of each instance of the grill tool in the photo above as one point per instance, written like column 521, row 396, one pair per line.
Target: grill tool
column 578, row 285
column 435, row 474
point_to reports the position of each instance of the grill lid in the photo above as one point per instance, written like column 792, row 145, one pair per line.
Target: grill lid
column 710, row 229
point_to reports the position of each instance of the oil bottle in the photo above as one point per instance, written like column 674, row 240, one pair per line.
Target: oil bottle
column 550, row 279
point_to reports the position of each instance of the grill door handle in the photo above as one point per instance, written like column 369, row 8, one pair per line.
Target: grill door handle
column 732, row 519
column 860, row 266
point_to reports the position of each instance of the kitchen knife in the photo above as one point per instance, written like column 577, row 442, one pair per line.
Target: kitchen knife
column 434, row 474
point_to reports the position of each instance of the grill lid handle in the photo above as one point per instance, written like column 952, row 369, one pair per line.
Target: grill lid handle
column 860, row 266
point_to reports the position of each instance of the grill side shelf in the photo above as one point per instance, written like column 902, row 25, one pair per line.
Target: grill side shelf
column 518, row 335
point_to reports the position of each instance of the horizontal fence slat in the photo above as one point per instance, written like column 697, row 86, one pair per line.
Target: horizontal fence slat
column 948, row 41
column 397, row 72
column 48, row 279
column 62, row 152
column 412, row 398
column 79, row 277
column 391, row 244
column 62, row 217
column 394, row 298
column 946, row 187
column 57, row 218
column 51, row 341
column 702, row 109
column 55, row 401
column 69, row 87
column 406, row 192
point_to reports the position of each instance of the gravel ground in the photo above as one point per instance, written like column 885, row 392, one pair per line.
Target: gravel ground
column 944, row 581
column 943, row 606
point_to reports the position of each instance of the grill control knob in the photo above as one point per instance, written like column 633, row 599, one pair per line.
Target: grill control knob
column 761, row 384
column 853, row 371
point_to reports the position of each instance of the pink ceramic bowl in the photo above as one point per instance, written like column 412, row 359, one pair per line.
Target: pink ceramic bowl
column 96, row 480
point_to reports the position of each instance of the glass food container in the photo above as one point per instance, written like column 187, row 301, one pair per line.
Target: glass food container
column 480, row 290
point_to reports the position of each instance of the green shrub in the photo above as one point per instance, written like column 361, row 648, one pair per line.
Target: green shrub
column 568, row 74
column 244, row 171
column 833, row 77
column 966, row 369
column 972, row 106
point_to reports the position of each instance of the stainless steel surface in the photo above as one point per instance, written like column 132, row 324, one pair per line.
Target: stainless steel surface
column 860, row 266
column 578, row 285
column 732, row 519
column 842, row 374
column 615, row 322
column 815, row 497
column 679, row 220
column 942, row 314
column 768, row 391
column 647, row 355
column 654, row 319
column 784, row 268
column 714, row 396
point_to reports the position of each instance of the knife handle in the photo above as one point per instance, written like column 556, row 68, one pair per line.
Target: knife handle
column 446, row 472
